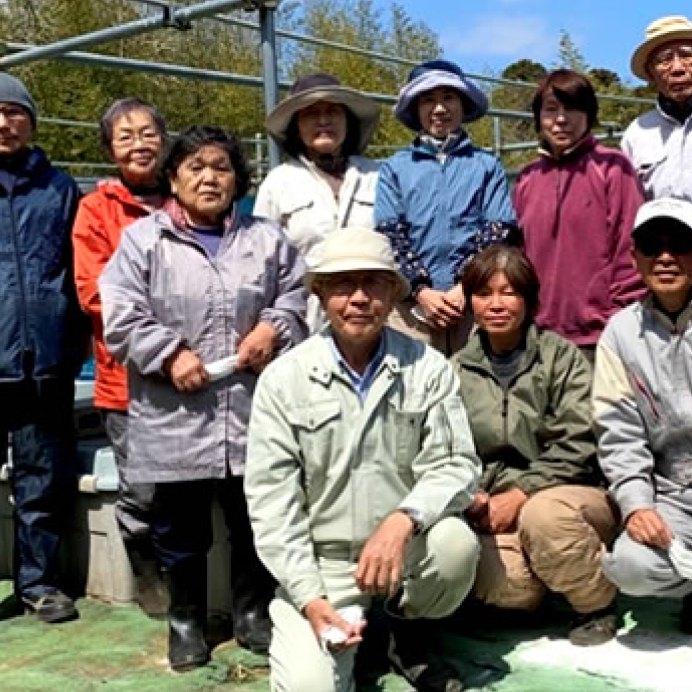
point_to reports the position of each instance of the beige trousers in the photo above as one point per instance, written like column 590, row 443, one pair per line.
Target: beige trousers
column 440, row 569
column 446, row 341
column 561, row 537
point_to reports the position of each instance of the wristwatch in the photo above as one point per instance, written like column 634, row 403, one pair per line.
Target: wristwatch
column 416, row 516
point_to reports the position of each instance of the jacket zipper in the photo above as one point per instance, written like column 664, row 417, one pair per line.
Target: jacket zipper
column 20, row 280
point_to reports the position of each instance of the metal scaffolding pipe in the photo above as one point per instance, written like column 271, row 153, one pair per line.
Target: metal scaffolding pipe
column 135, row 65
column 175, row 17
column 271, row 75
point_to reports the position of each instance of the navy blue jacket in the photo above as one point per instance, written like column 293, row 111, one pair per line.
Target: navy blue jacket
column 42, row 331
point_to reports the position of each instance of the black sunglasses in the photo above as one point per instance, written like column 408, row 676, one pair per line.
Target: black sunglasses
column 653, row 244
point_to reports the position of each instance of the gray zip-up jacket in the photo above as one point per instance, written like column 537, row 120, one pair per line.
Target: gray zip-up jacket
column 642, row 403
column 325, row 468
column 162, row 290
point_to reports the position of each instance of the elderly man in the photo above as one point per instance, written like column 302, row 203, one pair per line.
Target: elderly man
column 642, row 396
column 659, row 142
column 41, row 346
column 360, row 464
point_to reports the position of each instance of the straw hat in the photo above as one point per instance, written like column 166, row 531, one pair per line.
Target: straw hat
column 659, row 32
column 356, row 249
column 323, row 87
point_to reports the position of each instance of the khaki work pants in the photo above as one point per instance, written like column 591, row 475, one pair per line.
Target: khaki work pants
column 440, row 564
column 560, row 540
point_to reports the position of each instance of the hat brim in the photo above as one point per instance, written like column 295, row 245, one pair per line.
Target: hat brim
column 348, row 265
column 641, row 55
column 406, row 109
column 365, row 110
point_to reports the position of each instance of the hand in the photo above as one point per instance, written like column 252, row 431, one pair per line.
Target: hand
column 186, row 370
column 322, row 615
column 477, row 513
column 438, row 309
column 257, row 348
column 381, row 563
column 647, row 526
column 456, row 295
column 503, row 511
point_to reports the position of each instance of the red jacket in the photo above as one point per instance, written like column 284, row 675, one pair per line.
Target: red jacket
column 101, row 218
column 577, row 214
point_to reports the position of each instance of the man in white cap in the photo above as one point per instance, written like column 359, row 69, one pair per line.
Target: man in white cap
column 642, row 397
column 659, row 142
column 42, row 341
column 360, row 464
column 435, row 196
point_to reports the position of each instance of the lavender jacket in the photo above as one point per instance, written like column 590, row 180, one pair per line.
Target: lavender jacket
column 162, row 290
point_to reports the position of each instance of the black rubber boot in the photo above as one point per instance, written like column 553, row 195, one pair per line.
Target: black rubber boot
column 251, row 584
column 151, row 591
column 253, row 588
column 412, row 656
column 187, row 584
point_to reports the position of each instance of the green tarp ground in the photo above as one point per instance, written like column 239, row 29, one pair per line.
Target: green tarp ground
column 118, row 649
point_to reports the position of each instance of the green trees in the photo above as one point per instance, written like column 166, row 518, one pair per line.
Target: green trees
column 78, row 92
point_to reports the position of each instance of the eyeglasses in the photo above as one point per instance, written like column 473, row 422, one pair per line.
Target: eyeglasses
column 653, row 244
column 348, row 285
column 13, row 114
column 128, row 139
column 664, row 58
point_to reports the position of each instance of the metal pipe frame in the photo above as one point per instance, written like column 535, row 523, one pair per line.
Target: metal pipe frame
column 179, row 18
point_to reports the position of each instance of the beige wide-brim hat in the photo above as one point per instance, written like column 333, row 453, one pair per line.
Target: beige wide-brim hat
column 356, row 249
column 324, row 87
column 659, row 32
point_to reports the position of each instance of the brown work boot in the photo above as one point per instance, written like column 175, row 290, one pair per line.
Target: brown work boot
column 591, row 629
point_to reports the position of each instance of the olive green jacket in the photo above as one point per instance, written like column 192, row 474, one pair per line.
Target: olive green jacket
column 536, row 433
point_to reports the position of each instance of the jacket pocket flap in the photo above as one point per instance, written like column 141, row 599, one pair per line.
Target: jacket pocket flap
column 315, row 415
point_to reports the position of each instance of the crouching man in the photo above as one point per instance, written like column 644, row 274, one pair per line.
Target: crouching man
column 642, row 398
column 360, row 464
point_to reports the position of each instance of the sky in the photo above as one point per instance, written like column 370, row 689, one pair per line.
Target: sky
column 487, row 35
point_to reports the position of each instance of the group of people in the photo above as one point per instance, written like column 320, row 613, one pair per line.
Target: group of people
column 407, row 388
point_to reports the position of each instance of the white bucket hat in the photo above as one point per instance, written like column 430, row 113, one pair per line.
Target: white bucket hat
column 324, row 87
column 430, row 75
column 356, row 249
column 679, row 210
column 659, row 32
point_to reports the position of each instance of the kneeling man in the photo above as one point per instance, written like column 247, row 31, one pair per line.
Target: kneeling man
column 642, row 397
column 360, row 465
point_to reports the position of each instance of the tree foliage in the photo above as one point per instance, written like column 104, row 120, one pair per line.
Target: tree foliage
column 79, row 92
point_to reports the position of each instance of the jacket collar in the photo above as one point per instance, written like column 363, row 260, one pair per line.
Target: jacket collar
column 30, row 162
column 325, row 368
column 420, row 148
column 175, row 212
column 584, row 145
column 473, row 354
column 682, row 321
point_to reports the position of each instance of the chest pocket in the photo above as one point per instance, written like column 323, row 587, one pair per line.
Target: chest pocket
column 649, row 164
column 316, row 432
column 407, row 428
column 292, row 211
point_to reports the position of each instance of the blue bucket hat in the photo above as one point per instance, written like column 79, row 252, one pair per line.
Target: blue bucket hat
column 430, row 75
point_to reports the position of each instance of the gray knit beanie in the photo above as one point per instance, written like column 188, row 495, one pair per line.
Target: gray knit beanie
column 12, row 90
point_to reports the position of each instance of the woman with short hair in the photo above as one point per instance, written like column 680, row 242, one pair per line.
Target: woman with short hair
column 197, row 300
column 576, row 204
column 133, row 135
column 542, row 516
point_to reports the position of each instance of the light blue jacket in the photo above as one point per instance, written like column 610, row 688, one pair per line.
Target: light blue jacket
column 446, row 199
column 325, row 468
